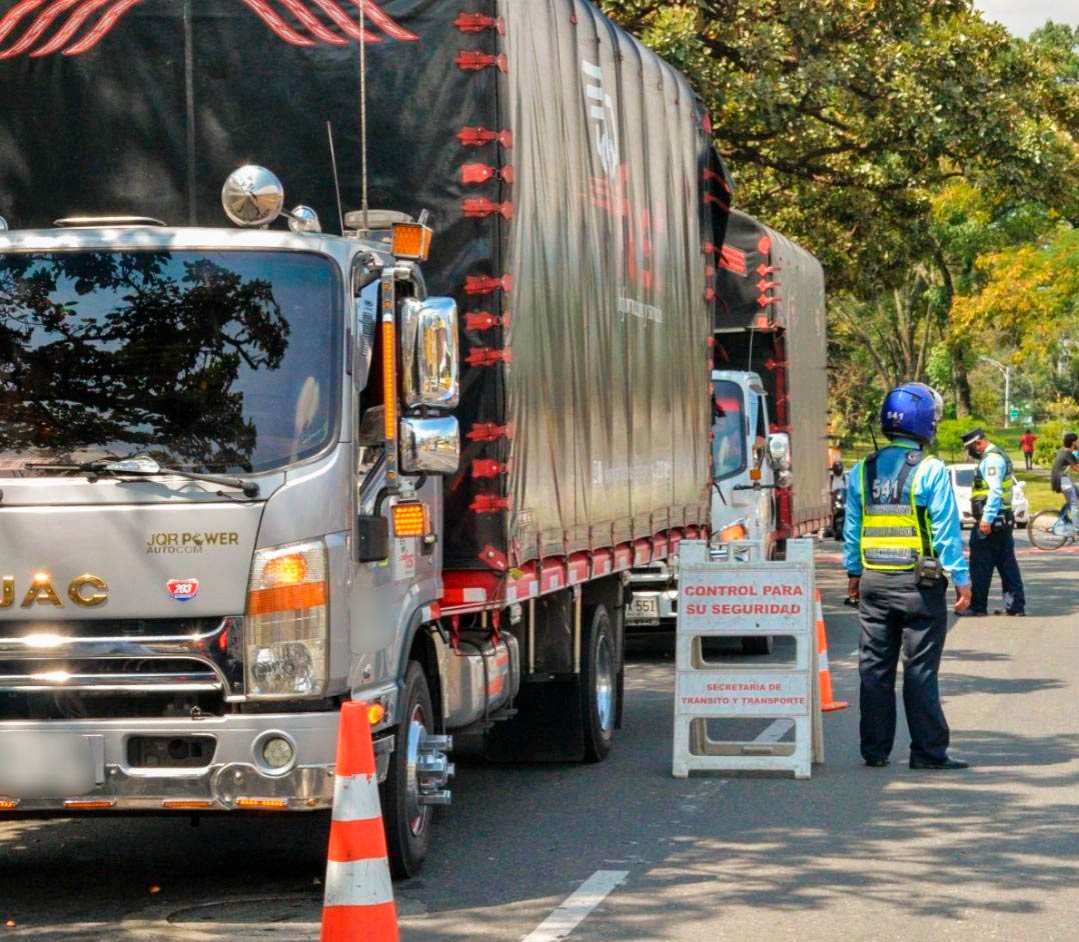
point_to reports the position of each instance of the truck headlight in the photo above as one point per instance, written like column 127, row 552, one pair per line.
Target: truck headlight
column 287, row 622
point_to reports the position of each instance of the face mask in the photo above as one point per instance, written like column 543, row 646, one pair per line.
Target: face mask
column 972, row 450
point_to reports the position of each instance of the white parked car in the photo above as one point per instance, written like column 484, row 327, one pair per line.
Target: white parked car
column 962, row 476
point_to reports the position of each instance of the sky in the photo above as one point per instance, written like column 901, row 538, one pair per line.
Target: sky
column 1023, row 16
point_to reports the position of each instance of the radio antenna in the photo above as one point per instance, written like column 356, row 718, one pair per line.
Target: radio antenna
column 363, row 112
column 336, row 179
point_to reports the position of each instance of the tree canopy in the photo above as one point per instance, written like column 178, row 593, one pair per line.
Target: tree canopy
column 907, row 143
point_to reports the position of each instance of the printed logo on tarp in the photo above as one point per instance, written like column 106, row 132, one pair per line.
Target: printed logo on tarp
column 72, row 28
column 602, row 116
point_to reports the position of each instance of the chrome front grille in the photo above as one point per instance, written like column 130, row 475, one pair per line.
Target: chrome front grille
column 108, row 657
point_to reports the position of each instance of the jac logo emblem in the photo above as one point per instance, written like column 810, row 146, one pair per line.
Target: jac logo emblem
column 183, row 590
column 86, row 591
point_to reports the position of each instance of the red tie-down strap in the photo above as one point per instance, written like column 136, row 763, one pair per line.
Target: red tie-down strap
column 485, row 320
column 489, row 468
column 482, row 284
column 479, row 207
column 489, row 356
column 764, row 300
column 472, row 60
column 480, row 23
column 477, row 137
column 490, row 504
column 489, row 432
column 476, row 174
column 710, row 248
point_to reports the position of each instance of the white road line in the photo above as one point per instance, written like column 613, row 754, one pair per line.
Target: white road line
column 577, row 906
column 775, row 732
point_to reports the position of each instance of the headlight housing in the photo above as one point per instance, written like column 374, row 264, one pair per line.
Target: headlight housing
column 287, row 622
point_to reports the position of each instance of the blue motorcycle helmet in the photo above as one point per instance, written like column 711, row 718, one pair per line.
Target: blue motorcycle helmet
column 912, row 410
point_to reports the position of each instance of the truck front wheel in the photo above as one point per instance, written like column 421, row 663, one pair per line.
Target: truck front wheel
column 408, row 822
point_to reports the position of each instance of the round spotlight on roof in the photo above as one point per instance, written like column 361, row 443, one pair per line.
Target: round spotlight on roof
column 252, row 196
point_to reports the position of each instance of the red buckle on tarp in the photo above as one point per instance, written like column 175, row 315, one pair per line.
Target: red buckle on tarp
column 489, row 468
column 489, row 356
column 479, row 207
column 483, row 284
column 490, row 503
column 479, row 22
column 485, row 320
column 710, row 248
column 475, row 137
column 494, row 558
column 472, row 60
column 489, row 432
column 764, row 300
column 474, row 174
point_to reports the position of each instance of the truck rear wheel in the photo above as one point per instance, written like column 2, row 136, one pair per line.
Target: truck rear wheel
column 599, row 685
column 408, row 823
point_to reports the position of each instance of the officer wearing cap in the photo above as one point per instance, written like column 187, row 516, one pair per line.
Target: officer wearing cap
column 901, row 536
column 991, row 543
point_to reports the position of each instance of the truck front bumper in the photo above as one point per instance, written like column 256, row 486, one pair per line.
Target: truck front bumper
column 235, row 777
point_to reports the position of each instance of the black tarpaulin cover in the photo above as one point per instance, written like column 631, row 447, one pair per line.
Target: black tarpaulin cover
column 567, row 172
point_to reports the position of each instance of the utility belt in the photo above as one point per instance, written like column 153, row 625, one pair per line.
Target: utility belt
column 1004, row 520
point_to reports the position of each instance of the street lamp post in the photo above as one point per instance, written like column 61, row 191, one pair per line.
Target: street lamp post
column 1007, row 371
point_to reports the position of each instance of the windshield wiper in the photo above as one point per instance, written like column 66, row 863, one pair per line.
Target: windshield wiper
column 143, row 466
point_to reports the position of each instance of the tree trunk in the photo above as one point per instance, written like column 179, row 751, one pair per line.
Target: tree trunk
column 963, row 407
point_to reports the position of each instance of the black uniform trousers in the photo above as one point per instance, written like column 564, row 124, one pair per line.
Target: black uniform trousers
column 991, row 551
column 899, row 618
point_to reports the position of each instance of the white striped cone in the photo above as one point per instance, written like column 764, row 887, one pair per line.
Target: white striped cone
column 359, row 904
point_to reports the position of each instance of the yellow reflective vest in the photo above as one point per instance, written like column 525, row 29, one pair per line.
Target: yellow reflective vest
column 979, row 487
column 895, row 531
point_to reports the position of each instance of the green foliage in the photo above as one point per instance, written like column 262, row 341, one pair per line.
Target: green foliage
column 1050, row 441
column 949, row 443
column 915, row 148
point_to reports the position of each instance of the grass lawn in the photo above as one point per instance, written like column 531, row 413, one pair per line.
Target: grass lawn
column 1035, row 483
column 1036, row 487
column 1006, row 438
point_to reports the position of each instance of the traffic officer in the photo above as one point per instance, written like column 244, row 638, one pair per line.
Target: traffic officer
column 902, row 535
column 991, row 543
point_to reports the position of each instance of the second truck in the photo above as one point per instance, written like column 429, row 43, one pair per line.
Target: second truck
column 769, row 402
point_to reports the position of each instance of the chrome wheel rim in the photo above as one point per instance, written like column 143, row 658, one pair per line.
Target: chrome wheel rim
column 605, row 684
column 418, row 815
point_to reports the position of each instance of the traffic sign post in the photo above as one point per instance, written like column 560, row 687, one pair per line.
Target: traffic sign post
column 730, row 591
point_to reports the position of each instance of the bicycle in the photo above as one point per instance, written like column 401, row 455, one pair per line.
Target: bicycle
column 1051, row 529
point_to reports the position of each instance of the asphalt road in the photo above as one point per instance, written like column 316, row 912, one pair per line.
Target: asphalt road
column 852, row 854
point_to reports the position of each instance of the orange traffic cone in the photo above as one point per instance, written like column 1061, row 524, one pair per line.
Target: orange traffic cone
column 359, row 904
column 827, row 703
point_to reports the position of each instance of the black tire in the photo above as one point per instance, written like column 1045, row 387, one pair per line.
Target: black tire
column 599, row 684
column 758, row 645
column 408, row 837
column 1043, row 530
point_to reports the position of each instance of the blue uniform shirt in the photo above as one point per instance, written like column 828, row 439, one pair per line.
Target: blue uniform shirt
column 933, row 491
column 992, row 468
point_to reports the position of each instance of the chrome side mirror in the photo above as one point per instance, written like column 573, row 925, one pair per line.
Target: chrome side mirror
column 430, row 446
column 779, row 451
column 430, row 353
column 252, row 196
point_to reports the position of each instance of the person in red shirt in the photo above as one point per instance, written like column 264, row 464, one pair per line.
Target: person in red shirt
column 1026, row 442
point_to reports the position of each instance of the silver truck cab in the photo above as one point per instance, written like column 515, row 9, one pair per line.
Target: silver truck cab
column 195, row 559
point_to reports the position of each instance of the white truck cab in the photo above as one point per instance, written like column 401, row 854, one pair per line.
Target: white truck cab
column 746, row 462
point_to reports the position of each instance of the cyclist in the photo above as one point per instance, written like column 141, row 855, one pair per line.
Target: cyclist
column 1061, row 481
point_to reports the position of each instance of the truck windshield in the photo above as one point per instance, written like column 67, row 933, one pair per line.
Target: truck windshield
column 728, row 430
column 213, row 361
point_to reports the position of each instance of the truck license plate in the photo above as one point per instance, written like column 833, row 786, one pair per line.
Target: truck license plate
column 643, row 609
column 48, row 765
